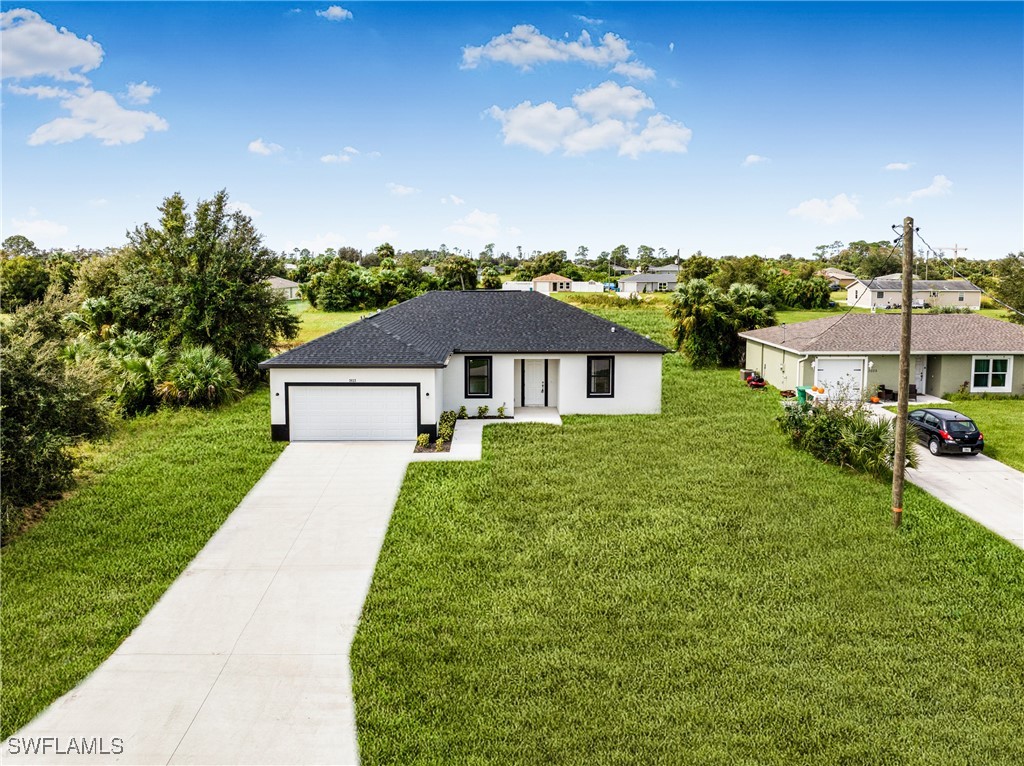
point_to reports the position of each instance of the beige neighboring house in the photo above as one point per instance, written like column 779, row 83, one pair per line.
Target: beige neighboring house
column 284, row 287
column 856, row 353
column 887, row 292
column 837, row 276
column 552, row 283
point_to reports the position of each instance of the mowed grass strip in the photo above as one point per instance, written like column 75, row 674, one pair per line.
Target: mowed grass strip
column 1000, row 420
column 316, row 323
column 76, row 584
column 683, row 589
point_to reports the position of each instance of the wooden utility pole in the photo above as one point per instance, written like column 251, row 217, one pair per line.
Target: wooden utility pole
column 899, row 461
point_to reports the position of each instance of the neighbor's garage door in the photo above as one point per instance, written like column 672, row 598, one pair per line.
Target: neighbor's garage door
column 842, row 378
column 341, row 413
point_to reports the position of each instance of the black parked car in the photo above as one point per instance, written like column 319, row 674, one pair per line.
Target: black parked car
column 947, row 431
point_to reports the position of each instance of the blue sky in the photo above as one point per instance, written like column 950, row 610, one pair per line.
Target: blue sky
column 731, row 128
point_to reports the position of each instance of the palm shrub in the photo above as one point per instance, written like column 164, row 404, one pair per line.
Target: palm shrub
column 846, row 434
column 707, row 320
column 199, row 377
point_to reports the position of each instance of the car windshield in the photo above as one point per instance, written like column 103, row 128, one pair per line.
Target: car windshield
column 961, row 427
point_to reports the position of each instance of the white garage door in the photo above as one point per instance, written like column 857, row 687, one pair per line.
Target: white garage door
column 841, row 378
column 342, row 413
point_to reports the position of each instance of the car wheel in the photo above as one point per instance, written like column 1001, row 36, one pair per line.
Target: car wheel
column 933, row 446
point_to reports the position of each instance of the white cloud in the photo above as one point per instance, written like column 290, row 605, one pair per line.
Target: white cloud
column 382, row 234
column 754, row 159
column 140, row 92
column 671, row 47
column 96, row 113
column 634, row 70
column 259, row 146
column 34, row 47
column 593, row 124
column 335, row 13
column 939, row 187
column 99, row 202
column 399, row 190
column 245, row 209
column 453, row 199
column 350, row 150
column 40, row 91
column 589, row 21
column 525, row 47
column 839, row 208
column 612, row 100
column 44, row 233
column 898, row 166
column 477, row 224
column 542, row 127
column 336, row 158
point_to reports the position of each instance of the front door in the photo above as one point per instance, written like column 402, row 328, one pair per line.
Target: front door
column 921, row 373
column 533, row 382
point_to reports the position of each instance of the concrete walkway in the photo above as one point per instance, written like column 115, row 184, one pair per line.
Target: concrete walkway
column 983, row 489
column 244, row 660
column 467, row 443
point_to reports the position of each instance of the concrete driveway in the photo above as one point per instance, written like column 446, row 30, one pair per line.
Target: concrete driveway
column 244, row 660
column 979, row 487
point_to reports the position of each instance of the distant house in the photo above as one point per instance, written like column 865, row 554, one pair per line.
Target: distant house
column 843, row 279
column 853, row 356
column 668, row 268
column 431, row 270
column 887, row 292
column 652, row 282
column 284, row 287
column 552, row 283
column 620, row 270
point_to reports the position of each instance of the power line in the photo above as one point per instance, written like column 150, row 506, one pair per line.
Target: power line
column 958, row 274
column 895, row 244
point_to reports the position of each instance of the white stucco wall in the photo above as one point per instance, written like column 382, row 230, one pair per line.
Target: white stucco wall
column 637, row 386
column 587, row 287
column 427, row 378
column 503, row 383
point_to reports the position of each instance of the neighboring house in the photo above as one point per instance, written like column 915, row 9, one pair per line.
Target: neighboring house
column 525, row 287
column 648, row 283
column 431, row 270
column 668, row 268
column 284, row 287
column 620, row 269
column 392, row 374
column 842, row 279
column 552, row 283
column 887, row 292
column 588, row 287
column 857, row 353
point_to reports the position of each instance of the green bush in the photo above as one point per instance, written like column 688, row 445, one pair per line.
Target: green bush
column 482, row 410
column 23, row 280
column 423, row 440
column 463, row 414
column 966, row 396
column 47, row 408
column 501, row 410
column 446, row 426
column 199, row 377
column 950, row 310
column 847, row 435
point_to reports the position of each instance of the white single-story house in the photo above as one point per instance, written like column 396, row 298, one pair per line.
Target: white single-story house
column 390, row 376
column 286, row 288
column 668, row 268
column 887, row 292
column 853, row 354
column 651, row 282
column 553, row 283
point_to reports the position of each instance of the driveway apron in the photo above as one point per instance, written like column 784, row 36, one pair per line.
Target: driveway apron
column 244, row 660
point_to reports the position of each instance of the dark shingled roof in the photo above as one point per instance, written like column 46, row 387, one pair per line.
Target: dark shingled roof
column 425, row 331
column 880, row 334
column 935, row 285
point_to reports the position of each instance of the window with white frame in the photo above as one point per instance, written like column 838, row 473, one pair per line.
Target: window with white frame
column 881, row 294
column 992, row 373
column 960, row 297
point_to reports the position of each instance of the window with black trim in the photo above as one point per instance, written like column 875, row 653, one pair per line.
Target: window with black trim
column 600, row 376
column 478, row 377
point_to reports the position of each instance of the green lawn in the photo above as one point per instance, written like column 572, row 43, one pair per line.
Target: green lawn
column 683, row 589
column 1001, row 420
column 76, row 584
column 316, row 323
